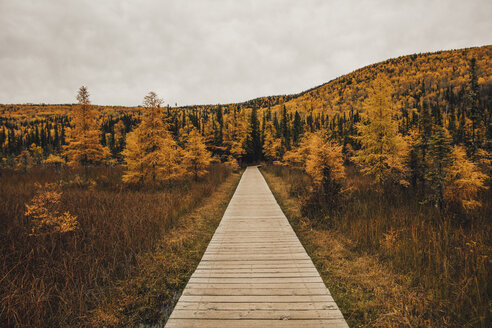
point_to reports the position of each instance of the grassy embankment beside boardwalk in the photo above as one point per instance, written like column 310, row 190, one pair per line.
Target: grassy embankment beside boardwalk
column 132, row 253
column 390, row 261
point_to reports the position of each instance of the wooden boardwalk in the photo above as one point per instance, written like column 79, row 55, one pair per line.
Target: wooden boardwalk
column 255, row 272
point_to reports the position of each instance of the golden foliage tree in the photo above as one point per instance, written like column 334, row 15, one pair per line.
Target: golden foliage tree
column 322, row 159
column 45, row 213
column 235, row 135
column 151, row 154
column 54, row 160
column 319, row 157
column 24, row 160
column 196, row 159
column 232, row 163
column 325, row 159
column 383, row 151
column 84, row 147
column 272, row 146
column 36, row 153
column 464, row 181
column 297, row 157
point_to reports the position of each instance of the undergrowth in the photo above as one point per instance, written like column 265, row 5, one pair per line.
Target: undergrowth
column 391, row 261
column 56, row 279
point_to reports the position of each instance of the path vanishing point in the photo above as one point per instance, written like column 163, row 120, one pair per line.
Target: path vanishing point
column 255, row 272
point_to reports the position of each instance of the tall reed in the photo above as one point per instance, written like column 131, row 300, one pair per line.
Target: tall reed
column 449, row 261
column 52, row 280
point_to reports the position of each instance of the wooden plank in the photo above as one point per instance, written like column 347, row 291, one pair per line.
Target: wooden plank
column 251, row 306
column 255, row 291
column 197, row 323
column 257, row 314
column 257, row 299
column 253, row 280
column 255, row 272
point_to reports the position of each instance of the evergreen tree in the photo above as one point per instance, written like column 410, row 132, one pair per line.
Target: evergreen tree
column 253, row 142
column 219, row 132
column 284, row 128
column 297, row 128
column 452, row 125
column 439, row 160
column 425, row 136
column 473, row 99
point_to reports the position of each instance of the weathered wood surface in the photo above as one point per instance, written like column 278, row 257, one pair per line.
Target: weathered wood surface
column 255, row 272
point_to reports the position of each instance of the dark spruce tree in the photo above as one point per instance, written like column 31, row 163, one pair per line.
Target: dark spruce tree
column 254, row 147
column 297, row 129
column 284, row 126
column 425, row 134
column 219, row 128
column 473, row 104
column 439, row 161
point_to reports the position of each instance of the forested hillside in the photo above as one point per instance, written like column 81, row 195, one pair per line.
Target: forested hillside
column 456, row 93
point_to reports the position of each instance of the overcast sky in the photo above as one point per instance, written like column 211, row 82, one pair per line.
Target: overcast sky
column 214, row 51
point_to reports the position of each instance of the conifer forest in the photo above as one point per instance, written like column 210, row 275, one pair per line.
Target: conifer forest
column 386, row 169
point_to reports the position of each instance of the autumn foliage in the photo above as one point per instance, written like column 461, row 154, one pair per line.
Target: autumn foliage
column 45, row 212
column 383, row 150
column 464, row 181
column 84, row 147
column 151, row 153
column 196, row 158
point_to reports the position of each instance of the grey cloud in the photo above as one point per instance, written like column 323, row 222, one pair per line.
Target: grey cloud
column 214, row 51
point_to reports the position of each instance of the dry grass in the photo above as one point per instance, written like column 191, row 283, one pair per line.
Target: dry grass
column 150, row 294
column 54, row 280
column 391, row 262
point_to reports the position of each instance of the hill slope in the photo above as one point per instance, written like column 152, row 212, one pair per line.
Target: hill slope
column 438, row 73
column 441, row 78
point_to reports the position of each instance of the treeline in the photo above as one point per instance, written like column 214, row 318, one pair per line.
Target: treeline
column 447, row 92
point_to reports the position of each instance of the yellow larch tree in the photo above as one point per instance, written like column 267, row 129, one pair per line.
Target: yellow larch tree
column 463, row 181
column 45, row 212
column 235, row 134
column 196, row 159
column 24, row 160
column 272, row 146
column 322, row 159
column 383, row 150
column 84, row 147
column 36, row 153
column 151, row 153
column 119, row 133
column 325, row 159
column 184, row 132
column 297, row 157
column 232, row 163
column 54, row 160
